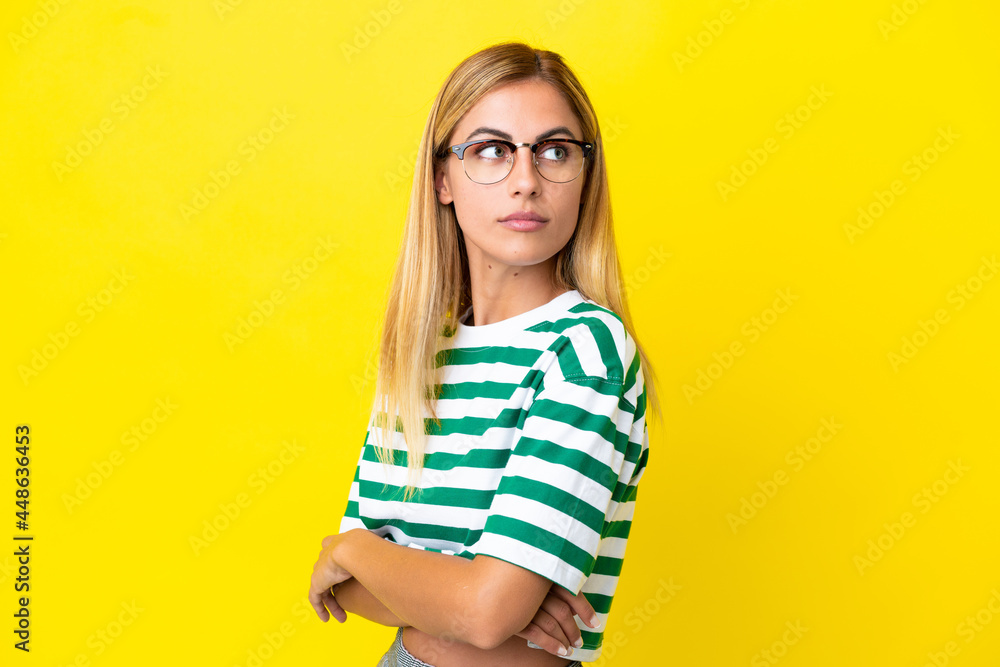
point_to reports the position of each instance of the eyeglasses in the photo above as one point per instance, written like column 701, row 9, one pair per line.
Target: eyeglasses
column 556, row 160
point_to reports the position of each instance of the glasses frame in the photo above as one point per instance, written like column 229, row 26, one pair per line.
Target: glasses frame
column 459, row 150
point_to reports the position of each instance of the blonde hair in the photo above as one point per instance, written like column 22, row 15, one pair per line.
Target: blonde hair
column 430, row 286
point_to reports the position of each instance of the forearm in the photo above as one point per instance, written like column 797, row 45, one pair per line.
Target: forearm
column 358, row 600
column 434, row 592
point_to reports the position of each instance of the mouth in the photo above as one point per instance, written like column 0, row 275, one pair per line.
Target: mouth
column 522, row 225
column 524, row 216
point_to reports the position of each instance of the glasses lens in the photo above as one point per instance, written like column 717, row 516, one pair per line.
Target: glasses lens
column 487, row 162
column 491, row 161
column 559, row 161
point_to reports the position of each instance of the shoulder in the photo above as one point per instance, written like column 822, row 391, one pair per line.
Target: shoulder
column 592, row 344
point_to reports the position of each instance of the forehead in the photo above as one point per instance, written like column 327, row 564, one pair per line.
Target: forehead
column 523, row 109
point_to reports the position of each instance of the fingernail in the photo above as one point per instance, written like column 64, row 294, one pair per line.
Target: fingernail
column 578, row 643
column 563, row 650
column 593, row 622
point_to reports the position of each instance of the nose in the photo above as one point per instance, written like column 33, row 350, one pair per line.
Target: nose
column 523, row 176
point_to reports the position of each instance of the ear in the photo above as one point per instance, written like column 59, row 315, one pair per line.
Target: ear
column 441, row 187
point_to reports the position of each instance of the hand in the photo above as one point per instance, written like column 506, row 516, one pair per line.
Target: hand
column 553, row 625
column 326, row 573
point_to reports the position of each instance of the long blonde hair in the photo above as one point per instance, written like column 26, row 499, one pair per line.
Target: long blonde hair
column 430, row 285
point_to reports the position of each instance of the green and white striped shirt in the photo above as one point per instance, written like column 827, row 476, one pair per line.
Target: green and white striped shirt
column 538, row 457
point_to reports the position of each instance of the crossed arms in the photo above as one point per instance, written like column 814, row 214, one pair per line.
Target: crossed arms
column 483, row 601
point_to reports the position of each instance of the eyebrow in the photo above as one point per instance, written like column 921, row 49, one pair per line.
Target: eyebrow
column 562, row 129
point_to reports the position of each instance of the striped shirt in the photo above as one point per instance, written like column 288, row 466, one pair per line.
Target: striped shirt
column 538, row 456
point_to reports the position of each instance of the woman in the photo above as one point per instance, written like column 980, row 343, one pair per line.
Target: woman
column 524, row 461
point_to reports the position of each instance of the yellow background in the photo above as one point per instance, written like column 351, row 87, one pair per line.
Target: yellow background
column 701, row 266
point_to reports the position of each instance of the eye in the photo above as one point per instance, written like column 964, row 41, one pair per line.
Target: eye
column 491, row 151
column 553, row 151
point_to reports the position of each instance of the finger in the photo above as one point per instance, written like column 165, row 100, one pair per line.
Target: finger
column 335, row 609
column 580, row 605
column 548, row 643
column 551, row 626
column 562, row 615
column 316, row 601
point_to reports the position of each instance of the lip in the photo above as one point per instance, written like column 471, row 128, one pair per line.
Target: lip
column 523, row 221
column 522, row 225
column 524, row 215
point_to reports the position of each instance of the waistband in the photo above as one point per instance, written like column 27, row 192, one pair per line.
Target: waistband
column 398, row 656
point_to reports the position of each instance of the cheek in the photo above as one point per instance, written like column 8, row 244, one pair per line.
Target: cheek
column 476, row 207
column 468, row 219
column 571, row 205
column 473, row 213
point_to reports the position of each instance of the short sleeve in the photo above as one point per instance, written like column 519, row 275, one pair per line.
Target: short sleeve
column 352, row 515
column 567, row 468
